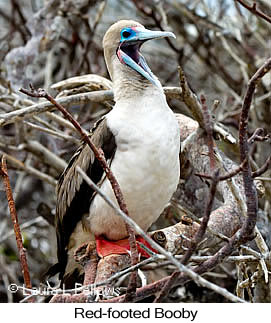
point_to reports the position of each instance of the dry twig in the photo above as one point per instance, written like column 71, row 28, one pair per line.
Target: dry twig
column 253, row 8
column 16, row 226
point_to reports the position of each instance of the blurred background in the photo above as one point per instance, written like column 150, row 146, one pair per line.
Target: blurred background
column 219, row 45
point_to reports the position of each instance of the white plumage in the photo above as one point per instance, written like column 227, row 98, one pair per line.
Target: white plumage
column 146, row 163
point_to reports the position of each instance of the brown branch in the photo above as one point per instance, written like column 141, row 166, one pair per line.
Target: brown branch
column 190, row 99
column 131, row 289
column 16, row 7
column 253, row 8
column 14, row 25
column 250, row 190
column 155, row 287
column 89, row 43
column 209, row 131
column 227, row 176
column 145, row 291
column 262, row 169
column 258, row 135
column 204, row 222
column 16, row 226
column 100, row 157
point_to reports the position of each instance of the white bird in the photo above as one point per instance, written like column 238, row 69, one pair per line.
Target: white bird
column 141, row 141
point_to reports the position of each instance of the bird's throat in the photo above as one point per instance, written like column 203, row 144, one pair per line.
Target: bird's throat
column 129, row 55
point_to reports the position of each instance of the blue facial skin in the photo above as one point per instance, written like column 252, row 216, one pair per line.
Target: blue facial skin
column 124, row 34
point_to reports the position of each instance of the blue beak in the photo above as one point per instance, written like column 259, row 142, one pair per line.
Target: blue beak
column 129, row 54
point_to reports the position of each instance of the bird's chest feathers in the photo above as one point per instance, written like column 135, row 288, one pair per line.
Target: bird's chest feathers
column 147, row 138
column 146, row 165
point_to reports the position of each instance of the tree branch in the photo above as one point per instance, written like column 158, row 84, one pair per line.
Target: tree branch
column 16, row 226
column 253, row 8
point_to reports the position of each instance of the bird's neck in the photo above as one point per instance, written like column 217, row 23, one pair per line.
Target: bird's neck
column 128, row 84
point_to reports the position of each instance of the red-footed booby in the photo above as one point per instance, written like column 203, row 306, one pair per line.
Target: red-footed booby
column 141, row 142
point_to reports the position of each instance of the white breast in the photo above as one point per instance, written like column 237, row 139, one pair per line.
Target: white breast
column 146, row 163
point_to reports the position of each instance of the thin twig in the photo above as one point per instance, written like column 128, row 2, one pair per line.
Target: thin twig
column 16, row 226
column 192, row 102
column 45, row 155
column 253, row 8
column 226, row 176
column 208, row 126
column 257, row 136
column 190, row 99
column 204, row 222
column 249, row 186
column 262, row 169
column 58, row 134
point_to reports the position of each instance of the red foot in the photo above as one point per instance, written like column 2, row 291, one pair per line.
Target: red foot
column 106, row 247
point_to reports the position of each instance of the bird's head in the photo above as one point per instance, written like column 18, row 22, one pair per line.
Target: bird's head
column 122, row 43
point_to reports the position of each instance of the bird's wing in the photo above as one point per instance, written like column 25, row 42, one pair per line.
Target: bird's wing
column 73, row 194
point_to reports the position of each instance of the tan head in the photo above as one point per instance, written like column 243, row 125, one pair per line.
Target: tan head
column 111, row 41
column 122, row 43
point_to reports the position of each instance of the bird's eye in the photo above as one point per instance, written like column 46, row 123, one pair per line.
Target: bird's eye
column 126, row 34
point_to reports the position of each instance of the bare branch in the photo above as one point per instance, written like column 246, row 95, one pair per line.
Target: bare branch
column 16, row 226
column 253, row 8
column 262, row 169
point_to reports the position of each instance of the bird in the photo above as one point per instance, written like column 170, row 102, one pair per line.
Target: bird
column 140, row 138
